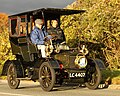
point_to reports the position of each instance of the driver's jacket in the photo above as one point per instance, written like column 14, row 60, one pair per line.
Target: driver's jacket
column 37, row 36
column 57, row 31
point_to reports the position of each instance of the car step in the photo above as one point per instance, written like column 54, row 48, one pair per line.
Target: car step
column 24, row 78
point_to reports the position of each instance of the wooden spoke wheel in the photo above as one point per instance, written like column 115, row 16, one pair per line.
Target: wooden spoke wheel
column 94, row 77
column 11, row 77
column 46, row 76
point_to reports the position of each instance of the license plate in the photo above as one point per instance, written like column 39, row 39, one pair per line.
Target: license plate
column 73, row 75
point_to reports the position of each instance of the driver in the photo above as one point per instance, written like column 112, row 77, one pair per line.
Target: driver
column 38, row 35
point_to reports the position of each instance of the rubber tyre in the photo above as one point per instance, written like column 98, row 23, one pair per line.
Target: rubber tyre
column 46, row 76
column 11, row 77
column 96, row 79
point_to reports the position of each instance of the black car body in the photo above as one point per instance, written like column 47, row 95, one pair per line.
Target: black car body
column 63, row 64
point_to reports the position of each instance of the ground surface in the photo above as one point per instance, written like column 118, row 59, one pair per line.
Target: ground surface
column 29, row 88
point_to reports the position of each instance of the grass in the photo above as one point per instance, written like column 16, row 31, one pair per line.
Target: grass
column 111, row 76
column 0, row 69
column 2, row 77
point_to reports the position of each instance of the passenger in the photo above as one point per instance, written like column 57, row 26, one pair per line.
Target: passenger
column 21, row 29
column 56, row 32
column 38, row 35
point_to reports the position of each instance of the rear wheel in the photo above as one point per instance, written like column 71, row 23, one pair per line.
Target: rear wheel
column 46, row 76
column 11, row 77
column 93, row 77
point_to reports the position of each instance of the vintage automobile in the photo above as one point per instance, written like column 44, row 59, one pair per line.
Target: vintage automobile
column 63, row 64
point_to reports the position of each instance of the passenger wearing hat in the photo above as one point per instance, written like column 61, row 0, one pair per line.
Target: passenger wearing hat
column 37, row 36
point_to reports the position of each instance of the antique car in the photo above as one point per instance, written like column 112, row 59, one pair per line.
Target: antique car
column 63, row 64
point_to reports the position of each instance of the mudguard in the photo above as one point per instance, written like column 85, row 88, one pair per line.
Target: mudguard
column 18, row 66
column 54, row 63
column 100, row 63
column 19, row 69
column 5, row 67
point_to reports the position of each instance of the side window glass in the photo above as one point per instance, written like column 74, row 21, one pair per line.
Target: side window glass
column 22, row 30
column 31, row 24
column 14, row 27
column 48, row 24
column 29, row 27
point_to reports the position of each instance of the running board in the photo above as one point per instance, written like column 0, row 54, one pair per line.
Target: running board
column 24, row 78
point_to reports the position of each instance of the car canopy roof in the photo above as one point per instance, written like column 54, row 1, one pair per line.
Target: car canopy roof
column 50, row 11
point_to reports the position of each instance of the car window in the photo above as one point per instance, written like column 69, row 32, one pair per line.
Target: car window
column 22, row 28
column 14, row 27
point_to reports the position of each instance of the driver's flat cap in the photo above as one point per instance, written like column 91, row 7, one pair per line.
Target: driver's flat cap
column 39, row 21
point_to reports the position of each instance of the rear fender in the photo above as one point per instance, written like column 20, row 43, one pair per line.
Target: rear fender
column 5, row 68
column 18, row 66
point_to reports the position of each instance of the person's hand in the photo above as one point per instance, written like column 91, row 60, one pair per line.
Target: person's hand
column 47, row 42
column 47, row 38
column 54, row 36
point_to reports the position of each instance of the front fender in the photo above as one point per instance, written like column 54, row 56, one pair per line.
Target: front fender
column 100, row 63
column 54, row 63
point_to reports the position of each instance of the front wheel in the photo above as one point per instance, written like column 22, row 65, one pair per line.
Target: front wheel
column 11, row 77
column 46, row 76
column 93, row 77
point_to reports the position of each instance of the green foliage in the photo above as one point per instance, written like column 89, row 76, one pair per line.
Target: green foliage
column 111, row 76
column 5, row 48
column 99, row 24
